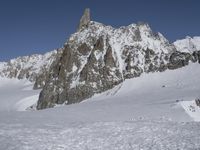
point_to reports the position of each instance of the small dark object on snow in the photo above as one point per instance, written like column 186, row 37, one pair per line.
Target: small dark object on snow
column 197, row 102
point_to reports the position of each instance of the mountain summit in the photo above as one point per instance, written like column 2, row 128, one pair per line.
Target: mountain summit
column 85, row 19
column 98, row 57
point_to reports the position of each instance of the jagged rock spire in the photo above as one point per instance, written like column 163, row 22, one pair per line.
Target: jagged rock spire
column 85, row 19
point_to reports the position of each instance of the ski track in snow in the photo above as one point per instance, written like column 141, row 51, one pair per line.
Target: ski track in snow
column 150, row 112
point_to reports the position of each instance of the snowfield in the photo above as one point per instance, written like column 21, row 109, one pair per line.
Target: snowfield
column 13, row 92
column 150, row 112
column 101, row 136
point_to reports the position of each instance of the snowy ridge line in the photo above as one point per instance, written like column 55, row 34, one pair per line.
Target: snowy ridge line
column 104, row 57
column 28, row 67
column 188, row 45
column 95, row 59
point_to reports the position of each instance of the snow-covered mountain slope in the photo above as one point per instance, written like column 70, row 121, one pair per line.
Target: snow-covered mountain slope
column 131, row 41
column 99, row 64
column 188, row 44
column 99, row 57
column 17, row 95
column 158, row 94
column 28, row 67
column 141, row 113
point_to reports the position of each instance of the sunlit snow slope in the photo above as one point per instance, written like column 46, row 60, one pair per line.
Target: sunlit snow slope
column 16, row 95
column 154, row 95
column 141, row 113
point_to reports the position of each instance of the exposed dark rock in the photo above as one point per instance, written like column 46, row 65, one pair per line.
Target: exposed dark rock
column 84, row 49
column 99, row 57
column 85, row 19
column 179, row 59
column 198, row 56
column 195, row 56
column 95, row 76
column 95, row 59
column 40, row 79
column 108, row 58
column 99, row 45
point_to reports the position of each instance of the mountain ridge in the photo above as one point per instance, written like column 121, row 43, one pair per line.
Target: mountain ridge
column 28, row 67
column 98, row 57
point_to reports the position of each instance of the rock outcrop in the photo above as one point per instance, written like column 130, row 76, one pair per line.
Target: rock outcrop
column 85, row 19
column 99, row 57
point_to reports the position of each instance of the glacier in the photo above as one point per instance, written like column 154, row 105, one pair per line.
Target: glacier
column 141, row 113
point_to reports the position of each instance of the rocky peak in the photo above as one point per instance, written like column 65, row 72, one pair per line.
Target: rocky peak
column 99, row 57
column 85, row 19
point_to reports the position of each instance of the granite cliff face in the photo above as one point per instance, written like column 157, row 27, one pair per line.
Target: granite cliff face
column 98, row 57
column 85, row 19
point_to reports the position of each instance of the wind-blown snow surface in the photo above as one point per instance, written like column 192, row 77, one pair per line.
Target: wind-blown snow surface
column 141, row 113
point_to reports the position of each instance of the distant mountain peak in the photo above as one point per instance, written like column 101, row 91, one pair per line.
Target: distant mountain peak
column 99, row 57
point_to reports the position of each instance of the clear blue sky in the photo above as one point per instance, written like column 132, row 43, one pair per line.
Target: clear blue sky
column 38, row 26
